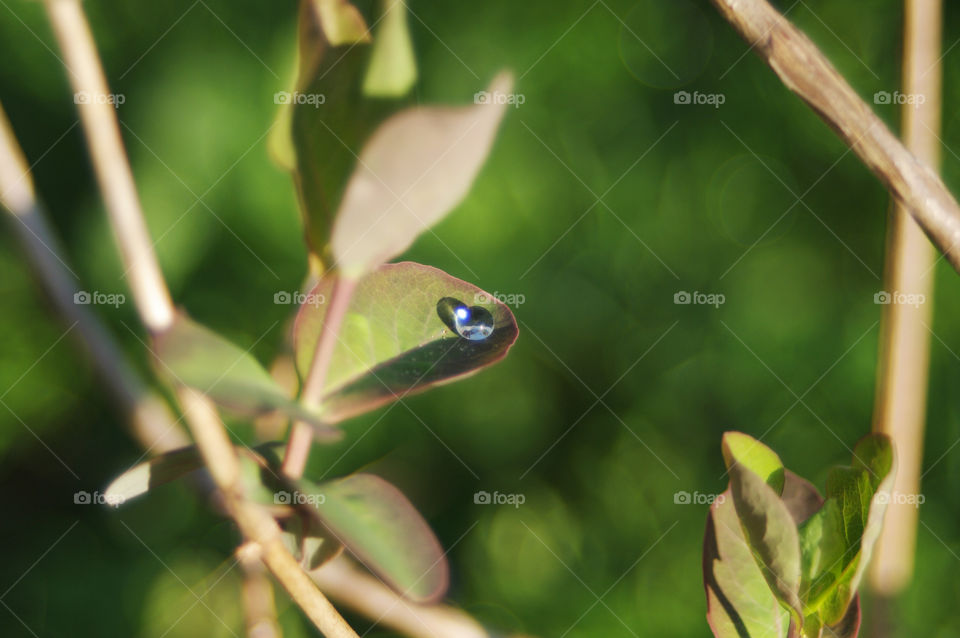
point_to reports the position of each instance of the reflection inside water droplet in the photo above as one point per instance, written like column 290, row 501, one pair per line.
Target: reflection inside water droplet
column 470, row 322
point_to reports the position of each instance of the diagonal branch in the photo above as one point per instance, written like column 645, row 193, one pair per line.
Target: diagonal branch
column 808, row 73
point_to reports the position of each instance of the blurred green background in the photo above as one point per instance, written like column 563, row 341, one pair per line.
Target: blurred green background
column 614, row 398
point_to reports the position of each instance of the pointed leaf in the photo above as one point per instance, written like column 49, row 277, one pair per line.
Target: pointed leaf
column 171, row 466
column 197, row 357
column 857, row 495
column 341, row 22
column 157, row 471
column 823, row 549
column 392, row 342
column 739, row 601
column 755, row 456
column 382, row 529
column 770, row 532
column 325, row 119
column 393, row 70
column 414, row 170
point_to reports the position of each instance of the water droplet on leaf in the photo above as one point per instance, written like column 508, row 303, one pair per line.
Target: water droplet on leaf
column 470, row 322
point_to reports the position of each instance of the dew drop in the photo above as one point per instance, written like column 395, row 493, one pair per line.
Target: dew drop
column 474, row 323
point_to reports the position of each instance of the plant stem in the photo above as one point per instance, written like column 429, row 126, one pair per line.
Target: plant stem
column 149, row 416
column 901, row 396
column 156, row 311
column 301, row 436
column 110, row 163
column 808, row 73
column 260, row 612
column 363, row 593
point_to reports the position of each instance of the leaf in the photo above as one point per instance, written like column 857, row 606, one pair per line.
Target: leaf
column 393, row 343
column 197, row 357
column 340, row 20
column 849, row 625
column 319, row 142
column 157, row 471
column 308, row 542
column 383, row 530
column 770, row 532
column 822, row 549
column 393, row 70
column 800, row 496
column 755, row 456
column 171, row 466
column 739, row 601
column 415, row 169
column 858, row 495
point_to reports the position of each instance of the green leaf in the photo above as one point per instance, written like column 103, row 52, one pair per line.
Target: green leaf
column 849, row 625
column 382, row 529
column 308, row 542
column 739, row 601
column 823, row 550
column 771, row 534
column 755, row 456
column 341, row 22
column 416, row 168
column 162, row 469
column 194, row 356
column 393, row 70
column 392, row 342
column 839, row 551
column 157, row 471
column 319, row 142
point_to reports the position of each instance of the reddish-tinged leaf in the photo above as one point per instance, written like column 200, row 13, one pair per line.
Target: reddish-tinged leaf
column 393, row 343
column 382, row 529
column 415, row 169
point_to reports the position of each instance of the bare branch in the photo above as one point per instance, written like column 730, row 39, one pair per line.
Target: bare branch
column 149, row 416
column 110, row 163
column 808, row 73
column 358, row 590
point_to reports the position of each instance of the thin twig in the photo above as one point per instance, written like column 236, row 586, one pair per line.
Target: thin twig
column 358, row 590
column 808, row 73
column 901, row 397
column 301, row 436
column 156, row 311
column 260, row 612
column 149, row 416
column 110, row 163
